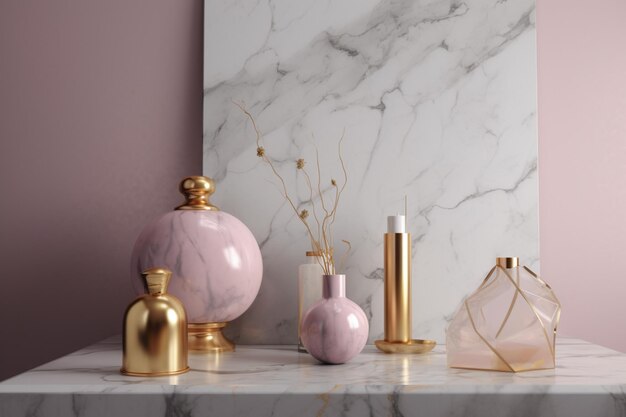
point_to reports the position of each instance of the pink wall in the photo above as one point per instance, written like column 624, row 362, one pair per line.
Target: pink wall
column 100, row 117
column 582, row 162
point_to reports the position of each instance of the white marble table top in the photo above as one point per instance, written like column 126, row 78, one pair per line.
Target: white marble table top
column 278, row 381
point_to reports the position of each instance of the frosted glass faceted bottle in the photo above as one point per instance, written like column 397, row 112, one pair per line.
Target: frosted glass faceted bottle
column 309, row 288
column 508, row 324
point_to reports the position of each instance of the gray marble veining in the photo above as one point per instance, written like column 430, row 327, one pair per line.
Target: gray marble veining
column 277, row 381
column 438, row 102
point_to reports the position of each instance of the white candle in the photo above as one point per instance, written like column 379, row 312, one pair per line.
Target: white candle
column 396, row 224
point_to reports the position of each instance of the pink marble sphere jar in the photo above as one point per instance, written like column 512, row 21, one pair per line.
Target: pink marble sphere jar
column 335, row 329
column 215, row 261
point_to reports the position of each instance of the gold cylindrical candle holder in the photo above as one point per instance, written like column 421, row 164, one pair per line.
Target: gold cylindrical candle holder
column 398, row 309
column 397, row 287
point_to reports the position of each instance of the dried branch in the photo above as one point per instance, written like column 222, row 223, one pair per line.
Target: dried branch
column 322, row 241
column 346, row 253
column 308, row 181
column 334, row 183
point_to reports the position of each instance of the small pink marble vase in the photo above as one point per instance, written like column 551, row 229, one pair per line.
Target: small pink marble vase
column 335, row 329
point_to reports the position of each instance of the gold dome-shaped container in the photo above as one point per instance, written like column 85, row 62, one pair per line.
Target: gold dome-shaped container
column 155, row 330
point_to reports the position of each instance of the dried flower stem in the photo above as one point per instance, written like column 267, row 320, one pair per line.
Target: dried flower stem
column 322, row 241
column 308, row 181
column 326, row 236
column 345, row 255
column 263, row 155
column 338, row 191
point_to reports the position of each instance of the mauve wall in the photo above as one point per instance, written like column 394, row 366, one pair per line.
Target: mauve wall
column 100, row 117
column 582, row 163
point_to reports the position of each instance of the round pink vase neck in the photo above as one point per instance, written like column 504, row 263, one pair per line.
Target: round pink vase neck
column 334, row 286
column 335, row 329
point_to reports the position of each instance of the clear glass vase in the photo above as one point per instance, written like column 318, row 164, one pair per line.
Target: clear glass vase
column 309, row 288
column 508, row 324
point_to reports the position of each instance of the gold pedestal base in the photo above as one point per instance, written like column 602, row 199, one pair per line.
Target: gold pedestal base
column 151, row 374
column 412, row 346
column 208, row 337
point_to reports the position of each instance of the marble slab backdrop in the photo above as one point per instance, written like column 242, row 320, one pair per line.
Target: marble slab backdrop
column 437, row 101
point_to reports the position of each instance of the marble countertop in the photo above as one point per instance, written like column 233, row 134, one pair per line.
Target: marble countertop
column 278, row 381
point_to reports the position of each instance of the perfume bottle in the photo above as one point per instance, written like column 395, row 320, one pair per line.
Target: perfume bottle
column 309, row 288
column 508, row 324
column 155, row 330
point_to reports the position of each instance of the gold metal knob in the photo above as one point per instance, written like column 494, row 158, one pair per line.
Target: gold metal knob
column 507, row 262
column 197, row 191
column 156, row 280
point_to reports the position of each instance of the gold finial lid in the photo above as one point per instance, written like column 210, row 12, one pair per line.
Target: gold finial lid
column 507, row 262
column 157, row 280
column 197, row 190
